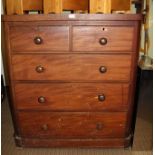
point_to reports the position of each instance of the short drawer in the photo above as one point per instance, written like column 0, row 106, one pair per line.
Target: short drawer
column 39, row 39
column 71, row 67
column 103, row 38
column 72, row 125
column 72, row 96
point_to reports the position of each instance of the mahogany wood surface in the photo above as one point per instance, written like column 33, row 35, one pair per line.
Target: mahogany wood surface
column 55, row 87
column 71, row 67
column 130, row 124
column 74, row 143
column 72, row 96
column 53, row 38
column 86, row 38
column 77, row 17
column 72, row 125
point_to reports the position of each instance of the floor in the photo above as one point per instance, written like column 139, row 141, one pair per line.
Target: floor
column 142, row 141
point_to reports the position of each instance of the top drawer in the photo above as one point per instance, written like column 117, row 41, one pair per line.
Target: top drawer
column 103, row 38
column 41, row 38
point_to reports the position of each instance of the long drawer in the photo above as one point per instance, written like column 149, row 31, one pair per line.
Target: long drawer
column 71, row 67
column 72, row 96
column 72, row 125
column 103, row 38
column 39, row 38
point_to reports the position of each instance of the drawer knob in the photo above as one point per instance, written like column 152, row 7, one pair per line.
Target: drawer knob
column 103, row 69
column 99, row 126
column 44, row 127
column 41, row 99
column 40, row 69
column 103, row 41
column 101, row 97
column 38, row 40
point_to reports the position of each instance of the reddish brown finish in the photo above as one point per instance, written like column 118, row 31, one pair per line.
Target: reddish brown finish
column 68, row 81
column 72, row 125
column 81, row 17
column 75, row 5
column 32, row 5
column 129, row 125
column 81, row 143
column 86, row 38
column 72, row 67
column 54, row 38
column 72, row 96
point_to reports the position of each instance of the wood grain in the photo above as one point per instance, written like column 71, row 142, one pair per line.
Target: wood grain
column 79, row 17
column 57, row 6
column 10, row 7
column 72, row 96
column 14, row 7
column 120, row 4
column 72, row 67
column 18, row 4
column 29, row 5
column 86, row 38
column 75, row 5
column 72, row 125
column 54, row 38
column 100, row 6
column 52, row 6
column 76, row 143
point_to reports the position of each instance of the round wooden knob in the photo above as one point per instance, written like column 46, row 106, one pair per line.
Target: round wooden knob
column 103, row 69
column 41, row 99
column 44, row 127
column 103, row 41
column 38, row 40
column 101, row 97
column 40, row 69
column 99, row 126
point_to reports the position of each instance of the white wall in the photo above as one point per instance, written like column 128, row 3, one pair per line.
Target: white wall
column 150, row 52
column 2, row 66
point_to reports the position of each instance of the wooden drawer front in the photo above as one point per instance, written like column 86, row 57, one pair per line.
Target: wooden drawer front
column 52, row 38
column 72, row 125
column 72, row 96
column 71, row 67
column 87, row 38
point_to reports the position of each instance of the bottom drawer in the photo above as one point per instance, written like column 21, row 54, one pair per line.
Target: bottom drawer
column 72, row 125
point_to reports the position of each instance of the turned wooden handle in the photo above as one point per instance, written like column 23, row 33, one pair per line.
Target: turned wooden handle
column 103, row 41
column 103, row 69
column 40, row 69
column 41, row 99
column 99, row 126
column 38, row 40
column 44, row 127
column 101, row 97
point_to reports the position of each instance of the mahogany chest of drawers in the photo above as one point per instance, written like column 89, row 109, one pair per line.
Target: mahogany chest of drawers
column 72, row 78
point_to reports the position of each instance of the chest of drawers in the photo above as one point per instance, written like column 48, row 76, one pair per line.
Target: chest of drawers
column 72, row 80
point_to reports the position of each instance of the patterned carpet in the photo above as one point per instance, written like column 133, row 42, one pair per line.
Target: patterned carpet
column 142, row 141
